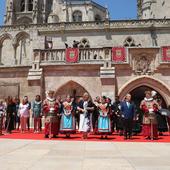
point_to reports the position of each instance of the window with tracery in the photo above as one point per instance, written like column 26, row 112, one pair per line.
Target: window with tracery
column 129, row 42
column 84, row 43
column 97, row 17
column 77, row 16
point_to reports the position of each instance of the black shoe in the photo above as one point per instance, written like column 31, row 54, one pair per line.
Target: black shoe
column 67, row 135
column 148, row 138
column 46, row 136
column 54, row 136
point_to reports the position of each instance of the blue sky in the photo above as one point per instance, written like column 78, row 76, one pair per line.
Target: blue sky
column 119, row 9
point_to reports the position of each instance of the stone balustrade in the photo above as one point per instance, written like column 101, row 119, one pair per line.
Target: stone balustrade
column 89, row 55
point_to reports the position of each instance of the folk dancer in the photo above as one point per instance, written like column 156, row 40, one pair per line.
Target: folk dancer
column 104, row 122
column 68, row 124
column 149, row 107
column 37, row 113
column 51, row 113
column 85, row 108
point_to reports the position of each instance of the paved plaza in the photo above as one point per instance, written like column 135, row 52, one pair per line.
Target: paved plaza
column 67, row 155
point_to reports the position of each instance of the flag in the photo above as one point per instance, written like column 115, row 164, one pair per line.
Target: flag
column 166, row 54
column 118, row 54
column 72, row 55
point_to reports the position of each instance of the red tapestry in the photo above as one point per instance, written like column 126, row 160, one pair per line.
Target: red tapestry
column 118, row 54
column 72, row 55
column 166, row 54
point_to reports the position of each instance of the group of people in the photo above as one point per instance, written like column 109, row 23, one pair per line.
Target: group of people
column 101, row 116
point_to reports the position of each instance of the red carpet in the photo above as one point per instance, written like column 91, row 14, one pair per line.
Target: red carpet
column 77, row 137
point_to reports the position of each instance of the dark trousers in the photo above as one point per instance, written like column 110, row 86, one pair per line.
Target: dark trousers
column 94, row 119
column 28, row 123
column 128, row 125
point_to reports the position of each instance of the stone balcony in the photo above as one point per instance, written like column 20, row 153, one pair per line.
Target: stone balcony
column 140, row 60
column 91, row 56
column 86, row 56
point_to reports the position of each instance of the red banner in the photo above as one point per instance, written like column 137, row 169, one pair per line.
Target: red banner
column 72, row 55
column 118, row 54
column 166, row 54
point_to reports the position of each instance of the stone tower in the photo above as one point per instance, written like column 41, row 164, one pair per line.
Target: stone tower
column 27, row 11
column 153, row 9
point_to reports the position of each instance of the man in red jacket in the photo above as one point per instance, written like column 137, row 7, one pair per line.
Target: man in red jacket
column 51, row 113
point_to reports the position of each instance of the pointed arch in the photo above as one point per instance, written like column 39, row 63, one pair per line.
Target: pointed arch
column 77, row 16
column 22, row 48
column 71, row 88
column 5, row 47
column 24, row 20
column 5, row 36
column 20, row 36
column 152, row 82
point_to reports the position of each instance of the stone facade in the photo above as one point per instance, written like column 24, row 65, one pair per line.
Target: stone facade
column 32, row 51
column 149, row 9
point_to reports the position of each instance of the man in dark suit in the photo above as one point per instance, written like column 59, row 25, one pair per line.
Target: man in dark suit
column 128, row 112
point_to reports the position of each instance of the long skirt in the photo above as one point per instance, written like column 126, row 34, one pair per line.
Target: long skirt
column 146, row 130
column 120, row 125
column 104, row 125
column 85, row 124
column 51, row 126
column 68, row 124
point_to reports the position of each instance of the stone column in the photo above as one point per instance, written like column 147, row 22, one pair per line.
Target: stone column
column 1, row 54
column 107, row 75
column 44, row 5
column 15, row 53
column 26, row 5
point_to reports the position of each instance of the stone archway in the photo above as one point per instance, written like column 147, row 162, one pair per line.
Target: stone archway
column 149, row 82
column 71, row 88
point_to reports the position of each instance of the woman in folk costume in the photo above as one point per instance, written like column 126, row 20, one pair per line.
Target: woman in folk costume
column 67, row 124
column 104, row 123
column 51, row 113
column 149, row 107
column 36, row 108
column 85, row 108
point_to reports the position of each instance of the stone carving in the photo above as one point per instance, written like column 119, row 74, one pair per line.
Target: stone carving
column 142, row 66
